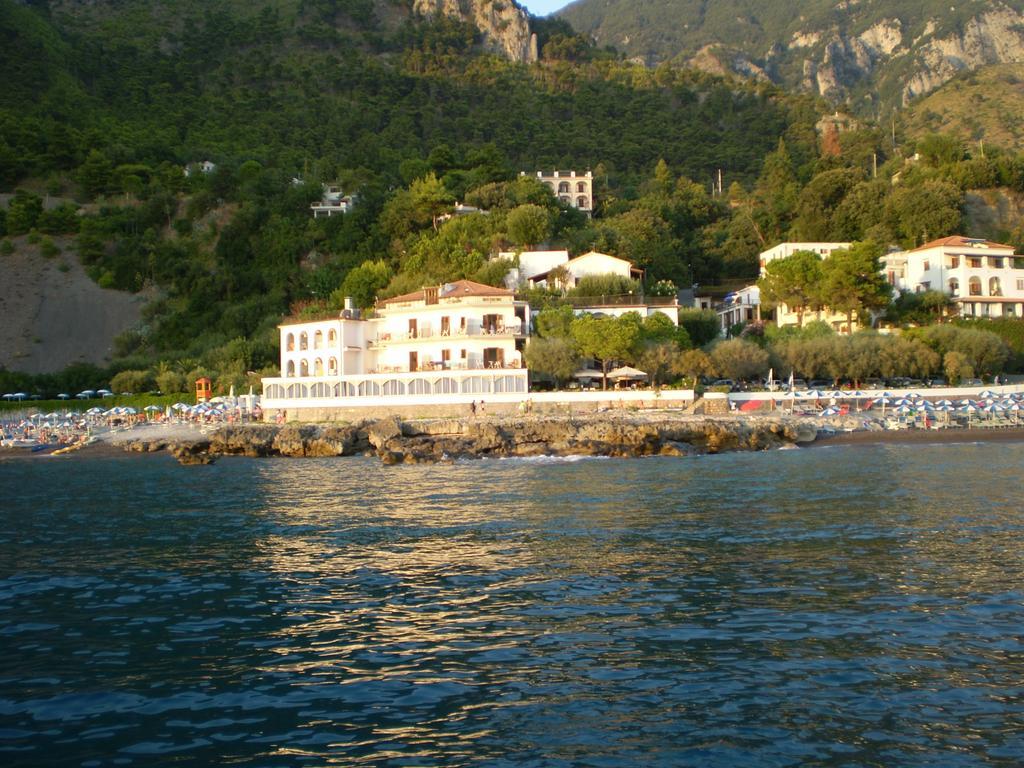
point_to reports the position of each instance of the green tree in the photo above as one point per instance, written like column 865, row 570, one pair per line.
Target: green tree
column 852, row 281
column 739, row 359
column 363, row 284
column 95, row 174
column 528, row 225
column 605, row 339
column 701, row 325
column 555, row 356
column 23, row 212
column 923, row 212
column 795, row 281
column 430, row 198
column 554, row 322
column 695, row 363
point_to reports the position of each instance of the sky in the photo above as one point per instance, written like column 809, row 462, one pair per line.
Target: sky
column 543, row 7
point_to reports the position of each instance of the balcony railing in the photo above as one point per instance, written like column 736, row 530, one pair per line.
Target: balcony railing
column 428, row 334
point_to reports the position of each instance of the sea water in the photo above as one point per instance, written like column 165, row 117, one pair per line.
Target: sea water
column 850, row 606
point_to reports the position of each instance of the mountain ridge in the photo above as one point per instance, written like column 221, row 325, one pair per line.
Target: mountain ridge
column 847, row 51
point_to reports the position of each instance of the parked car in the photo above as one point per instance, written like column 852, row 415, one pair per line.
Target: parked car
column 725, row 383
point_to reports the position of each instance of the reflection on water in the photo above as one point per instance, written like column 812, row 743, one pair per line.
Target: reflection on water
column 843, row 606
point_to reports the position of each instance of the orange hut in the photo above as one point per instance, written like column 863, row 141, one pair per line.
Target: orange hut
column 204, row 390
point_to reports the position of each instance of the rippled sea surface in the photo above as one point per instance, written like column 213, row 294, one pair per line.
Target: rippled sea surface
column 838, row 606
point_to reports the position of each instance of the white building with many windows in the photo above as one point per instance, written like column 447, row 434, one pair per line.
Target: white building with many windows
column 576, row 190
column 983, row 278
column 457, row 339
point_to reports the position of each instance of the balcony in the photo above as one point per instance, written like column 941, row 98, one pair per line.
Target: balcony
column 456, row 365
column 432, row 334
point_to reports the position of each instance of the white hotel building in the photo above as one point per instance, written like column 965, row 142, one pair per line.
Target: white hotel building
column 982, row 278
column 458, row 339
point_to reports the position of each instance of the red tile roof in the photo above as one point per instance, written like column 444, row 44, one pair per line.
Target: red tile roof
column 959, row 241
column 450, row 290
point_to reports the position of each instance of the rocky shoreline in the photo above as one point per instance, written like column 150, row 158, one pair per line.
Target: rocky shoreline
column 397, row 441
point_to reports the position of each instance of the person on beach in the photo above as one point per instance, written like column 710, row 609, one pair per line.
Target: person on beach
column 472, row 408
column 480, row 409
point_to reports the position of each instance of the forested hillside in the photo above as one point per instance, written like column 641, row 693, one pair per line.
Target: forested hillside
column 117, row 105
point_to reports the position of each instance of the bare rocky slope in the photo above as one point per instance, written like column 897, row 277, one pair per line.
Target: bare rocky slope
column 875, row 53
column 54, row 314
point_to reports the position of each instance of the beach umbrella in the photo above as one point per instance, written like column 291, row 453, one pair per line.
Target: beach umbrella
column 86, row 394
column 626, row 372
column 588, row 373
column 152, row 408
column 986, row 393
column 1015, row 409
column 63, row 396
column 830, row 411
column 19, row 396
column 970, row 408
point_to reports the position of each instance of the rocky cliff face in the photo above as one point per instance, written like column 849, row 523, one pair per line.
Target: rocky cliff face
column 871, row 52
column 504, row 25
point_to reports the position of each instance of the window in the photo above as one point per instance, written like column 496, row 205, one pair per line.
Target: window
column 332, row 336
column 581, row 187
column 974, row 262
column 303, row 340
column 995, row 262
column 927, row 265
column 291, row 368
column 1020, row 285
column 954, row 287
column 303, row 368
column 332, row 366
column 446, row 358
column 318, row 367
column 954, row 262
column 974, row 286
column 318, row 339
column 563, row 187
column 581, row 202
column 994, row 288
column 290, row 343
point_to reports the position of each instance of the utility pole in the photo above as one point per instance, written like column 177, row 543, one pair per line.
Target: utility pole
column 874, row 165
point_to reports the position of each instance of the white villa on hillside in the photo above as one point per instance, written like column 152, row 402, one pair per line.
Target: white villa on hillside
column 540, row 268
column 461, row 338
column 574, row 189
column 333, row 201
column 591, row 264
column 983, row 278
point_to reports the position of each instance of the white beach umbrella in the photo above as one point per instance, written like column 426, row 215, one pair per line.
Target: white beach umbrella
column 63, row 396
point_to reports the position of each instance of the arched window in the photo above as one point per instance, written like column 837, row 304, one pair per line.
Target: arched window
column 954, row 287
column 393, row 388
column 290, row 371
column 994, row 288
column 290, row 342
column 332, row 336
column 318, row 367
column 565, row 199
column 318, row 339
column 581, row 187
column 303, row 368
column 303, row 340
column 419, row 387
column 563, row 187
column 581, row 202
column 369, row 389
column 332, row 366
column 974, row 286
